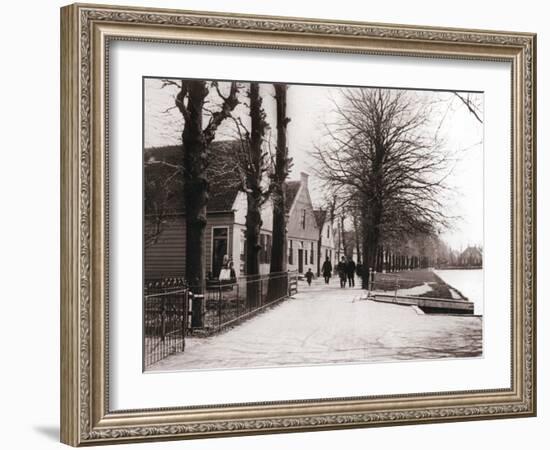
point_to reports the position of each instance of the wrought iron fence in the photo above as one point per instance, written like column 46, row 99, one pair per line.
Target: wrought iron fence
column 171, row 311
column 227, row 302
column 160, row 285
column 165, row 323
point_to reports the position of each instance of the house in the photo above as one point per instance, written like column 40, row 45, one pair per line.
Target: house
column 224, row 234
column 164, row 253
column 302, row 228
column 236, row 246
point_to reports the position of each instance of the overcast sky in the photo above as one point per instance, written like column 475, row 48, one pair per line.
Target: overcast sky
column 310, row 107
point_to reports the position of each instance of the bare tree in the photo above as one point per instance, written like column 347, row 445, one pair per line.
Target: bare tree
column 280, row 173
column 196, row 140
column 383, row 156
column 357, row 232
column 472, row 103
column 252, row 165
column 342, row 232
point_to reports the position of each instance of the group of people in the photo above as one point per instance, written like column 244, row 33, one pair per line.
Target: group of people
column 346, row 271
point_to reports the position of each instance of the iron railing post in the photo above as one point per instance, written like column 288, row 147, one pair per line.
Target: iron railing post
column 184, row 319
column 219, row 304
column 162, row 319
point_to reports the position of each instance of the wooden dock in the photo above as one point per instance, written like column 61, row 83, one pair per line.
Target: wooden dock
column 428, row 304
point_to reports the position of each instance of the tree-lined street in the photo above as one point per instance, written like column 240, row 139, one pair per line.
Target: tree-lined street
column 231, row 213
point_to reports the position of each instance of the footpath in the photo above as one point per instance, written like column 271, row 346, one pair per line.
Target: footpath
column 326, row 325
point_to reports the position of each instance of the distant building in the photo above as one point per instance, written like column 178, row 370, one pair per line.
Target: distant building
column 471, row 257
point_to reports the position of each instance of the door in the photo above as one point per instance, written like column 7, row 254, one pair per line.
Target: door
column 219, row 249
column 300, row 260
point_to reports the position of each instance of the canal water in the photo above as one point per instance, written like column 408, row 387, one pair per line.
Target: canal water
column 469, row 282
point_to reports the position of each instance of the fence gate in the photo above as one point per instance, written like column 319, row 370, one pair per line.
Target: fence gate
column 165, row 321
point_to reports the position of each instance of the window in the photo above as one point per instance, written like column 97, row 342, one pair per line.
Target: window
column 261, row 253
column 328, row 231
column 268, row 248
column 304, row 219
column 265, row 251
column 305, row 259
column 242, row 247
column 311, row 256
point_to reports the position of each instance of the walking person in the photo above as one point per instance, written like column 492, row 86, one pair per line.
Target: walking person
column 327, row 270
column 342, row 273
column 350, row 272
column 309, row 276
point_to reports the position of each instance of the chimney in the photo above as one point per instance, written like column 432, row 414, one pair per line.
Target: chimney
column 303, row 178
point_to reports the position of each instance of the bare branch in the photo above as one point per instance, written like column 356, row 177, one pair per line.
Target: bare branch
column 472, row 107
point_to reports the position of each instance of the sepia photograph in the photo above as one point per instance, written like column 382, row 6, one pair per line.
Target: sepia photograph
column 292, row 224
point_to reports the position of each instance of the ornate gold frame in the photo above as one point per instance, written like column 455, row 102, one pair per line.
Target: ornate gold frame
column 86, row 31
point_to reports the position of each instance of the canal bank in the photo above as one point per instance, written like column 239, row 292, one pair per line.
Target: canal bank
column 422, row 288
column 469, row 282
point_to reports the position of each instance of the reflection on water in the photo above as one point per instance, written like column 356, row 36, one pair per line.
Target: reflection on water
column 468, row 282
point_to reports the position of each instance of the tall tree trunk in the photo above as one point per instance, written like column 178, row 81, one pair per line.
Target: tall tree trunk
column 365, row 267
column 357, row 238
column 254, row 195
column 195, row 142
column 370, row 245
column 343, row 236
column 278, row 286
column 371, row 248
column 195, row 161
column 253, row 227
column 372, row 251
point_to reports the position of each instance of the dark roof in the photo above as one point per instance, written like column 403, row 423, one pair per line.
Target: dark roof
column 222, row 176
column 291, row 189
column 320, row 217
column 222, row 198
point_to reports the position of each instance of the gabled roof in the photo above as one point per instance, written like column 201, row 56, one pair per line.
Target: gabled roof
column 222, row 198
column 291, row 189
